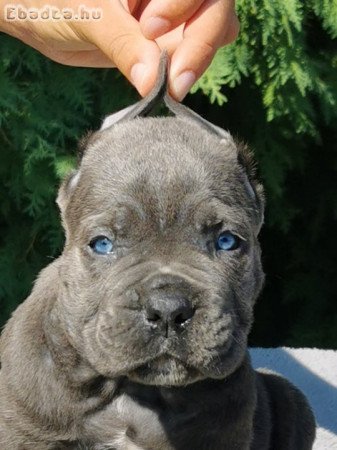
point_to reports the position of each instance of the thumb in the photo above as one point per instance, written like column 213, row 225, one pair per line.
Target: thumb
column 118, row 35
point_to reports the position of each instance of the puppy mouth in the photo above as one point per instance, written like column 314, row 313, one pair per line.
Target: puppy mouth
column 171, row 369
column 165, row 370
column 171, row 361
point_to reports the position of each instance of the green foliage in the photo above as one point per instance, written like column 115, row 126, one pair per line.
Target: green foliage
column 273, row 51
column 276, row 87
column 44, row 109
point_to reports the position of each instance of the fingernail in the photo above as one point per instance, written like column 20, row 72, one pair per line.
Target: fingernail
column 156, row 26
column 138, row 75
column 183, row 83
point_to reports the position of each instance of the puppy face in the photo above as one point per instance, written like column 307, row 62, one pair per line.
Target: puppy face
column 162, row 265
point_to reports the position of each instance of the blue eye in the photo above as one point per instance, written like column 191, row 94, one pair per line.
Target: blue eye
column 227, row 241
column 101, row 245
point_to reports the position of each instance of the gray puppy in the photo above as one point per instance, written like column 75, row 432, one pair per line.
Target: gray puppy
column 135, row 337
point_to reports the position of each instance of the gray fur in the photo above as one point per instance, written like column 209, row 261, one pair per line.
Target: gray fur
column 82, row 368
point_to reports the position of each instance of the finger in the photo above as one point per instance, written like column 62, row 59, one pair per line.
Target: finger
column 161, row 16
column 131, row 5
column 91, row 58
column 119, row 37
column 141, row 6
column 214, row 25
column 171, row 40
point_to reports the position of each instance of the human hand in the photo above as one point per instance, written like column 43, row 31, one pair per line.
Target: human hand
column 130, row 35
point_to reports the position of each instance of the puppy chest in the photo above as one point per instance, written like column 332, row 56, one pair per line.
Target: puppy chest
column 126, row 425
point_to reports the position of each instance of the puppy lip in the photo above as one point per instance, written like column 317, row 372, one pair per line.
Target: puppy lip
column 210, row 371
column 162, row 357
column 160, row 368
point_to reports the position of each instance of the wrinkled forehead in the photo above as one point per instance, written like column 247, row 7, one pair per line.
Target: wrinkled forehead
column 142, row 215
column 163, row 174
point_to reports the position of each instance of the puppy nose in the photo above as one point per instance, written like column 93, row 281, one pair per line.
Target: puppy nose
column 168, row 314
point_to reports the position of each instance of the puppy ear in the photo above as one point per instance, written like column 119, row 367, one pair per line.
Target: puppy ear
column 182, row 112
column 66, row 189
column 116, row 117
column 146, row 105
column 252, row 185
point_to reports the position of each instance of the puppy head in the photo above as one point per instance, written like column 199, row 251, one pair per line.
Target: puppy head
column 161, row 266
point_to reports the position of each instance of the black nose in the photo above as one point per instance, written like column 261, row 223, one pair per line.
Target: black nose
column 168, row 313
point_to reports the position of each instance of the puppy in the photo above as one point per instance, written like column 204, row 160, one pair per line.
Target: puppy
column 135, row 337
